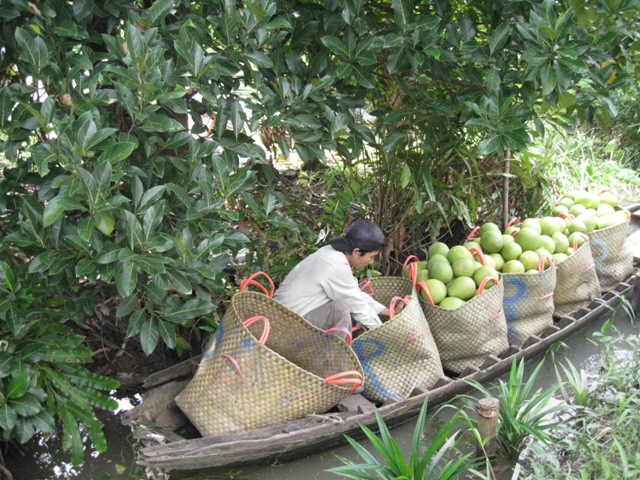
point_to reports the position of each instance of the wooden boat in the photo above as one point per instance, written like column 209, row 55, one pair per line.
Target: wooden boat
column 157, row 419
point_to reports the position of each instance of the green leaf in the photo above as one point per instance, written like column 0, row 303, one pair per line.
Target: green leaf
column 237, row 117
column 135, row 42
column 151, row 196
column 126, row 278
column 490, row 145
column 32, row 51
column 105, row 222
column 548, row 78
column 406, row 176
column 403, row 13
column 136, row 320
column 499, row 37
column 160, row 123
column 119, row 149
column 168, row 333
column 71, row 439
column 188, row 310
column 259, row 58
column 26, row 405
column 84, row 267
column 56, row 206
column 127, row 305
column 337, row 46
column 158, row 11
column 180, row 282
column 18, row 385
column 149, row 336
column 8, row 417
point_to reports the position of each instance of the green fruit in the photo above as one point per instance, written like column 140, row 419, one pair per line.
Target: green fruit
column 606, row 221
column 489, row 261
column 621, row 216
column 566, row 202
column 531, row 271
column 548, row 226
column 437, row 289
column 511, row 251
column 462, row 287
column 458, row 251
column 487, row 227
column 589, row 200
column 529, row 259
column 451, row 303
column 470, row 245
column 558, row 209
column 577, row 225
column 531, row 223
column 561, row 241
column 608, row 198
column 547, row 243
column 559, row 257
column 577, row 209
column 511, row 230
column 423, row 275
column 513, row 266
column 590, row 221
column 605, row 209
column 491, row 241
column 484, row 272
column 463, row 267
column 436, row 259
column 508, row 238
column 576, row 238
column 498, row 260
column 438, row 248
column 441, row 271
column 528, row 238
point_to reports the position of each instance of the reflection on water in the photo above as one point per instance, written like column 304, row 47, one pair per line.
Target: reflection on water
column 44, row 459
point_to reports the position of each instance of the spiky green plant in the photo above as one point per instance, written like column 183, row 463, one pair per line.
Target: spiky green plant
column 577, row 382
column 434, row 463
column 524, row 412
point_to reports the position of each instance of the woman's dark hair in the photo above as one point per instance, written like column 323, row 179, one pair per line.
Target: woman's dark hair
column 362, row 234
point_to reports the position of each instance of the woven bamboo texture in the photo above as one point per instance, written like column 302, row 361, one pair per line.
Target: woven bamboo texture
column 241, row 384
column 466, row 335
column 528, row 303
column 612, row 254
column 401, row 354
column 577, row 282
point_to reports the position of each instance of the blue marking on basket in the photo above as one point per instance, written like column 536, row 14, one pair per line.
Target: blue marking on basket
column 511, row 304
column 214, row 343
column 369, row 373
column 603, row 251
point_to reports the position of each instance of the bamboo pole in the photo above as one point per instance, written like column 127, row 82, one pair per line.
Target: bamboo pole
column 505, row 188
column 488, row 409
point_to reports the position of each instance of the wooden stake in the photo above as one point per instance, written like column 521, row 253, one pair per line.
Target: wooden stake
column 488, row 409
column 505, row 187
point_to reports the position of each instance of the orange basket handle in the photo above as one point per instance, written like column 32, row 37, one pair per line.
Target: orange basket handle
column 477, row 253
column 485, row 281
column 423, row 286
column 410, row 258
column 605, row 190
column 392, row 306
column 473, row 235
column 367, row 287
column 244, row 283
column 265, row 330
column 515, row 232
column 346, row 378
column 575, row 241
column 514, row 220
column 566, row 216
column 541, row 262
column 342, row 329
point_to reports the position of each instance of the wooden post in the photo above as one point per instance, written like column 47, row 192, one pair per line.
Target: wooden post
column 505, row 188
column 488, row 409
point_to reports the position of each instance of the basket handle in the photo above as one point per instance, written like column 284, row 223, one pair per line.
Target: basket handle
column 575, row 241
column 515, row 232
column 477, row 253
column 265, row 330
column 367, row 287
column 244, row 283
column 473, row 235
column 392, row 306
column 541, row 262
column 346, row 378
column 235, row 363
column 423, row 286
column 605, row 190
column 486, row 280
column 513, row 221
column 566, row 216
column 412, row 263
column 342, row 329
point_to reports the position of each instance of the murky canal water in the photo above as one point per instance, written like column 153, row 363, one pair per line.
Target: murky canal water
column 45, row 460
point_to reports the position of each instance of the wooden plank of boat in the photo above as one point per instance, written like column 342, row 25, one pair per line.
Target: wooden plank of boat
column 315, row 433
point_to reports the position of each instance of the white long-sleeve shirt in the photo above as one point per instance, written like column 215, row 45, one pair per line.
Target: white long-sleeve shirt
column 325, row 276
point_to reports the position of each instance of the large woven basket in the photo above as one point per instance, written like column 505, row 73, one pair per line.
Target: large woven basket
column 612, row 254
column 577, row 282
column 401, row 354
column 466, row 335
column 242, row 384
column 528, row 303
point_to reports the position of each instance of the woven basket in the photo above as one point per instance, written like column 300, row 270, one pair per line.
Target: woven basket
column 577, row 282
column 612, row 255
column 528, row 303
column 248, row 380
column 401, row 354
column 466, row 335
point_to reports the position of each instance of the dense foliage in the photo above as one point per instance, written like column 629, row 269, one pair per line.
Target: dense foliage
column 138, row 139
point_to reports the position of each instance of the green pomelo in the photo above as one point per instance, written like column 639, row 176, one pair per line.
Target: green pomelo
column 451, row 303
column 589, row 221
column 606, row 221
column 547, row 243
column 605, row 209
column 423, row 275
column 437, row 289
column 464, row 267
column 559, row 257
column 589, row 200
column 489, row 261
column 438, row 248
column 528, row 238
column 436, row 259
column 487, row 227
column 566, row 202
column 558, row 209
column 543, row 252
column 484, row 272
column 570, row 251
column 471, row 244
column 577, row 209
column 491, row 241
column 549, row 226
column 507, row 238
column 441, row 271
column 458, row 251
column 498, row 260
column 513, row 266
column 621, row 216
column 578, row 238
column 531, row 223
column 529, row 259
column 462, row 287
column 577, row 225
column 561, row 241
column 531, row 271
column 511, row 230
column 511, row 251
column 423, row 265
column 608, row 198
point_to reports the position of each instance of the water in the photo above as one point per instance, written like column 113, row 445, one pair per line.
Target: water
column 44, row 459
